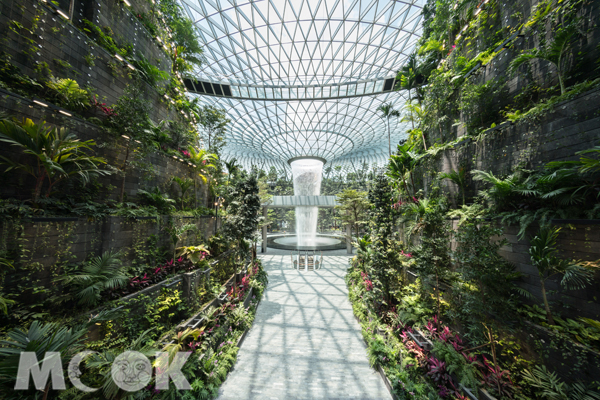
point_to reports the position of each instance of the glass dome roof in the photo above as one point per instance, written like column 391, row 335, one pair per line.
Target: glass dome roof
column 313, row 46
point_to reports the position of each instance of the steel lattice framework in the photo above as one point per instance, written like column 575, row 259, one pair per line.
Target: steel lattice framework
column 304, row 48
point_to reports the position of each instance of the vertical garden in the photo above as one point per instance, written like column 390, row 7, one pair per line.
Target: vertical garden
column 478, row 275
column 121, row 227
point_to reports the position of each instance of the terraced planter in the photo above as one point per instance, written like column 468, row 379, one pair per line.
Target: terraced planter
column 467, row 392
column 421, row 340
column 485, row 395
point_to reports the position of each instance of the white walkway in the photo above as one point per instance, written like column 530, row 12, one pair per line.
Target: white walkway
column 305, row 342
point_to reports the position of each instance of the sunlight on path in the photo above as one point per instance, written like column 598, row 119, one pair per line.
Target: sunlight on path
column 305, row 342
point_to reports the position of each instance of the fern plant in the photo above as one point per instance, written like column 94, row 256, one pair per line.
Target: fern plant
column 41, row 339
column 549, row 386
column 68, row 94
column 158, row 199
column 98, row 275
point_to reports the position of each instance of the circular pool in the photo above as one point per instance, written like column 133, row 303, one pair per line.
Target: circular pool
column 322, row 242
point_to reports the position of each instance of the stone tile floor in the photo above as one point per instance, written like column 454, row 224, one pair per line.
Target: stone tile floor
column 305, row 342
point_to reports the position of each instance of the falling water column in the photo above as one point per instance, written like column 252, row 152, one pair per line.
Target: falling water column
column 307, row 174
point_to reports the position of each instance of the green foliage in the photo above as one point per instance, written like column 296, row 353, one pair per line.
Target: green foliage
column 132, row 115
column 101, row 273
column 388, row 112
column 413, row 307
column 40, row 338
column 184, row 184
column 68, row 94
column 55, row 154
column 5, row 264
column 149, row 72
column 457, row 364
column 155, row 198
column 459, row 178
column 213, row 122
column 100, row 364
column 554, row 52
column 104, row 37
column 400, row 168
column 549, row 386
column 243, row 210
column 562, row 189
column 487, row 279
column 385, row 264
column 195, row 254
column 543, row 257
column 478, row 104
column 353, row 207
column 178, row 230
column 432, row 256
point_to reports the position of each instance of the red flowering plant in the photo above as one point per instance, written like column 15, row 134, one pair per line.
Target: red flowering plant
column 497, row 380
column 108, row 111
column 185, row 153
column 367, row 282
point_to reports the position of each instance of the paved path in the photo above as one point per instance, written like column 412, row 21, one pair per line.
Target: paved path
column 305, row 342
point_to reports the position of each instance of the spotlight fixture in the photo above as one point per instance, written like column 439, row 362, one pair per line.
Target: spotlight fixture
column 39, row 103
column 62, row 14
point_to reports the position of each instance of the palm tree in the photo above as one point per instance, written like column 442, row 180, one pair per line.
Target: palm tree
column 416, row 113
column 99, row 274
column 184, row 185
column 42, row 339
column 555, row 52
column 459, row 178
column 203, row 161
column 543, row 257
column 58, row 154
column 387, row 112
column 402, row 163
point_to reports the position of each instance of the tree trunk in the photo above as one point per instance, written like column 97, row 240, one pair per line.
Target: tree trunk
column 124, row 175
column 389, row 137
column 548, row 313
column 437, row 297
column 38, row 186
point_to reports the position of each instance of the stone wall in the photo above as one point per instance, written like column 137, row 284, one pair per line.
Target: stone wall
column 51, row 244
column 155, row 169
column 582, row 60
column 572, row 126
column 578, row 240
column 56, row 40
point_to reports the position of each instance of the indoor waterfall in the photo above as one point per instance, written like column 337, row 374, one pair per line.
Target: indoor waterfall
column 307, row 182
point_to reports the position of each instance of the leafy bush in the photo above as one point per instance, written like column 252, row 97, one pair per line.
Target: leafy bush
column 68, row 94
column 57, row 154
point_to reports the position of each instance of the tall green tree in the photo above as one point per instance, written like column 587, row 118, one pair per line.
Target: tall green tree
column 214, row 122
column 388, row 112
column 353, row 207
column 385, row 263
column 243, row 211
